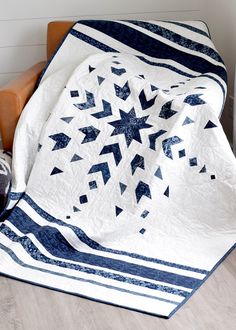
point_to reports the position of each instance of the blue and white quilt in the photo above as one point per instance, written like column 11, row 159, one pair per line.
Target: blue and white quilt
column 124, row 184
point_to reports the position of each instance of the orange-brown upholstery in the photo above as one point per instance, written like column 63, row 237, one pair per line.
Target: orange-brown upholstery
column 15, row 95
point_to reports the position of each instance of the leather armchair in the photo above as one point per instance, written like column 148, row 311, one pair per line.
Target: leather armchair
column 15, row 95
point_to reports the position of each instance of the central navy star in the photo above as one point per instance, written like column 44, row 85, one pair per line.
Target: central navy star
column 129, row 125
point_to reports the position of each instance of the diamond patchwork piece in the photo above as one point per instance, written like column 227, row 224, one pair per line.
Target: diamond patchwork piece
column 92, row 185
column 74, row 93
column 144, row 214
column 83, row 199
column 193, row 161
column 182, row 153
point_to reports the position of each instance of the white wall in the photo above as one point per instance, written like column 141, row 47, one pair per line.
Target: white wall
column 23, row 23
column 221, row 18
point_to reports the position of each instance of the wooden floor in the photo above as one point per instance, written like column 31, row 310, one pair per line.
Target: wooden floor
column 28, row 307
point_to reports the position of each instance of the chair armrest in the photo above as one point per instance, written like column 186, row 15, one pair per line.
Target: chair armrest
column 13, row 98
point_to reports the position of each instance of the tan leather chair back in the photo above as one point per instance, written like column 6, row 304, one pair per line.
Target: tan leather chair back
column 16, row 94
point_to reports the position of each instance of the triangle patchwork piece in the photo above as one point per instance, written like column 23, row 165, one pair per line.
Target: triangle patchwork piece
column 67, row 119
column 39, row 146
column 100, row 80
column 187, row 121
column 167, row 192
column 122, row 188
column 203, row 170
column 118, row 210
column 210, row 124
column 75, row 158
column 154, row 88
column 158, row 173
column 75, row 209
column 56, row 170
column 91, row 68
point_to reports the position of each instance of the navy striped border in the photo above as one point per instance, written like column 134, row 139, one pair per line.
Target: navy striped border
column 101, row 46
column 35, row 254
column 106, row 48
column 94, row 245
column 76, row 294
column 57, row 245
column 14, row 196
column 152, row 47
column 129, row 308
column 92, row 41
column 191, row 28
column 216, row 80
column 167, row 66
column 22, row 264
column 178, row 39
column 204, row 280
